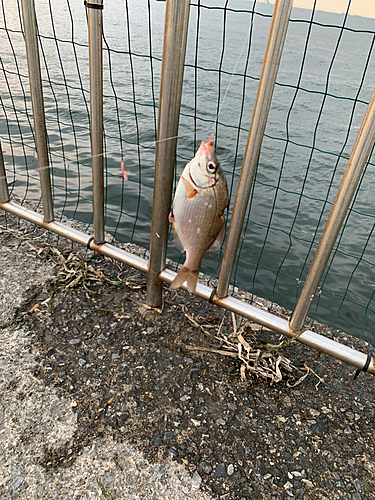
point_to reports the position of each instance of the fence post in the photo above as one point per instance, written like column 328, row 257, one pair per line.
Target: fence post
column 262, row 104
column 4, row 193
column 172, row 71
column 95, row 33
column 35, row 79
column 361, row 151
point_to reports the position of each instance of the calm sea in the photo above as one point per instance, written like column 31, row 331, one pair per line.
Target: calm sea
column 325, row 81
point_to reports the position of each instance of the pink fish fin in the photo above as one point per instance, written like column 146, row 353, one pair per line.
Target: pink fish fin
column 124, row 172
column 210, row 139
column 191, row 192
column 185, row 274
column 219, row 240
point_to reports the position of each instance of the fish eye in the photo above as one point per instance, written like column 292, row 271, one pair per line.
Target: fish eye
column 211, row 167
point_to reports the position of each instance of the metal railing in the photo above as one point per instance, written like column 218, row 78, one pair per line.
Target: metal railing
column 175, row 33
column 35, row 80
column 172, row 71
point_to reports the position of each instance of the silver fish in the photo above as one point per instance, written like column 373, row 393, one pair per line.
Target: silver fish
column 197, row 213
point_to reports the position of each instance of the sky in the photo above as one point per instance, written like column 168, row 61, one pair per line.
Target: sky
column 364, row 8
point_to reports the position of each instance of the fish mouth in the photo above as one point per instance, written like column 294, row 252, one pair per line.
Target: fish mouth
column 192, row 180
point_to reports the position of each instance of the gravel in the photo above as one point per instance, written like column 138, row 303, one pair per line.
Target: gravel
column 37, row 417
column 103, row 398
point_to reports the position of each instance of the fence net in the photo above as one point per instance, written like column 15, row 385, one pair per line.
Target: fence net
column 324, row 84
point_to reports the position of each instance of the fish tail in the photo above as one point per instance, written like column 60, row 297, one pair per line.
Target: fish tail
column 185, row 274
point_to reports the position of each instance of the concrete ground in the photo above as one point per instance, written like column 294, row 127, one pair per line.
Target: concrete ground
column 189, row 427
column 34, row 417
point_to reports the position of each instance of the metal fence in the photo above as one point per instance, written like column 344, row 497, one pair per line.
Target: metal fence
column 287, row 125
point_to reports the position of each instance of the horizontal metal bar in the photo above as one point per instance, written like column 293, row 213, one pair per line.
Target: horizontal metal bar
column 279, row 325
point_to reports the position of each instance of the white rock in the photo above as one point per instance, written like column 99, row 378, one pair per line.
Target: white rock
column 314, row 413
column 196, row 481
column 17, row 482
column 308, row 483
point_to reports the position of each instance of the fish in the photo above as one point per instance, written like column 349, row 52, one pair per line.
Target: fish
column 197, row 214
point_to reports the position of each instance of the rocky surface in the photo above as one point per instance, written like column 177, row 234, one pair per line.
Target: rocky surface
column 37, row 417
column 104, row 398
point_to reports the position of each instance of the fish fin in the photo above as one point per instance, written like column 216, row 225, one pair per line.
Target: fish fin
column 171, row 217
column 219, row 240
column 191, row 192
column 176, row 240
column 185, row 274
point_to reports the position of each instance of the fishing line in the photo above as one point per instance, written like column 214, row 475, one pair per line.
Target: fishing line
column 232, row 75
column 226, row 92
column 176, row 136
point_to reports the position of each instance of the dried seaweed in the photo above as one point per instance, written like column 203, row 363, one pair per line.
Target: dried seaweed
column 257, row 359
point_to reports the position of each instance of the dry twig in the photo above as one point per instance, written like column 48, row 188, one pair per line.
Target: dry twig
column 256, row 359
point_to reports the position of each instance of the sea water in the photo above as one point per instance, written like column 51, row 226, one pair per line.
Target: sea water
column 325, row 81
